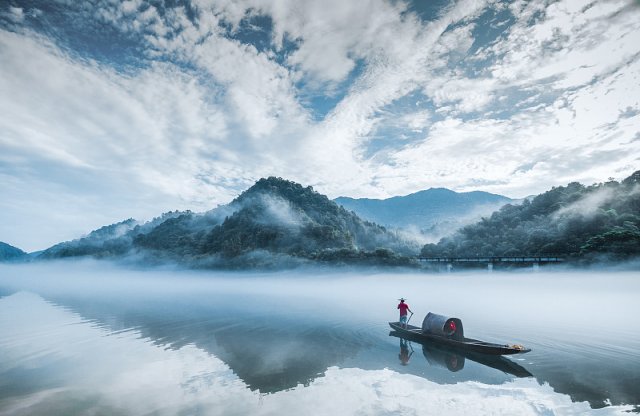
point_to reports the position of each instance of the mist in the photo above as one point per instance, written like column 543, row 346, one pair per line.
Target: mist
column 273, row 332
column 359, row 293
column 442, row 229
column 275, row 224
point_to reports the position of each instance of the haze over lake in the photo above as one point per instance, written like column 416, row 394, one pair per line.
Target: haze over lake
column 91, row 338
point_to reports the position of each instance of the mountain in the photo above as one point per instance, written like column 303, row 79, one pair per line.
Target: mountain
column 10, row 253
column 428, row 211
column 596, row 222
column 110, row 240
column 275, row 222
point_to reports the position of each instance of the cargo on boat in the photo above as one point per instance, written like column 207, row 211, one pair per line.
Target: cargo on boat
column 449, row 331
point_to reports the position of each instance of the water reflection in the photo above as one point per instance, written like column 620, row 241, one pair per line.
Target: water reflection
column 64, row 364
column 405, row 355
column 442, row 357
column 454, row 360
column 250, row 335
column 268, row 350
column 270, row 357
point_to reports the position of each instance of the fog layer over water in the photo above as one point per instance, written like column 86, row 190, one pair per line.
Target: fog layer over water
column 85, row 338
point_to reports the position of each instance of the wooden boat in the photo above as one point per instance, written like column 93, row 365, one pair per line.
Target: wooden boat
column 454, row 358
column 458, row 342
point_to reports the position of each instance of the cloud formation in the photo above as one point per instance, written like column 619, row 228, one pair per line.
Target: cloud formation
column 113, row 110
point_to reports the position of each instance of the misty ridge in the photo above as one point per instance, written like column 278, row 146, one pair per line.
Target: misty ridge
column 277, row 223
column 429, row 215
column 587, row 224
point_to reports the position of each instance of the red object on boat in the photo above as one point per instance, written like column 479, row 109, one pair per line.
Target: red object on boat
column 443, row 326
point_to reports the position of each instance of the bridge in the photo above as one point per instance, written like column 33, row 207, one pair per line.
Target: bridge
column 535, row 261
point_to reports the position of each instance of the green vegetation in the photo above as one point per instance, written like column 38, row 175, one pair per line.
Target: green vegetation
column 589, row 223
column 107, row 241
column 278, row 223
column 275, row 222
column 10, row 253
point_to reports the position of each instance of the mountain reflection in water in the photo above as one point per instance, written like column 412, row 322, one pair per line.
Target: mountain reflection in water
column 274, row 340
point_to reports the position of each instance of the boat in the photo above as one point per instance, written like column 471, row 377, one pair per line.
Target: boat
column 453, row 359
column 449, row 331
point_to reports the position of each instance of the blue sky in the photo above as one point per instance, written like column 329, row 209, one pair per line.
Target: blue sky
column 118, row 109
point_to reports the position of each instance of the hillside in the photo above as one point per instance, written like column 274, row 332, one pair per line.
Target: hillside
column 10, row 253
column 596, row 222
column 110, row 240
column 275, row 222
column 427, row 210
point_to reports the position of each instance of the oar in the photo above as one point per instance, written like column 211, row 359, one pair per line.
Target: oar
column 409, row 318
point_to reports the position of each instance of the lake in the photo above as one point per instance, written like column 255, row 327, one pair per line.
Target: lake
column 89, row 338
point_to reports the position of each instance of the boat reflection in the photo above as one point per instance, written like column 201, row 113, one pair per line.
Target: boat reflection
column 443, row 358
column 454, row 360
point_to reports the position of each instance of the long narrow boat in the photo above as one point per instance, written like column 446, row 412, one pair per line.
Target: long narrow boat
column 462, row 343
column 453, row 358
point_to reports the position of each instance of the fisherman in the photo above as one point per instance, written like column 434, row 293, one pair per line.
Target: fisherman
column 403, row 312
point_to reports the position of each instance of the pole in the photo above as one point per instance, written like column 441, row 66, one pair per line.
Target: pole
column 409, row 318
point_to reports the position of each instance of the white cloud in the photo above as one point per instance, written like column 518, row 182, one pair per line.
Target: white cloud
column 579, row 136
column 88, row 131
column 417, row 121
column 398, row 63
column 568, row 45
column 15, row 14
column 465, row 94
column 538, row 106
column 334, row 34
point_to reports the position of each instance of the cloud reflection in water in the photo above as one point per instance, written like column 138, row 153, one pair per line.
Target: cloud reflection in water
column 56, row 362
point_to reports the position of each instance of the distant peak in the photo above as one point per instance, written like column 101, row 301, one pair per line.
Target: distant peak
column 277, row 186
column 633, row 178
column 428, row 193
column 275, row 182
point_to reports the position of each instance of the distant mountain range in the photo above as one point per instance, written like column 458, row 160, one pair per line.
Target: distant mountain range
column 435, row 211
column 278, row 223
column 274, row 223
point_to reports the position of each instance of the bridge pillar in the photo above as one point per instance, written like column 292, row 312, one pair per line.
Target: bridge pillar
column 536, row 266
column 449, row 267
column 490, row 267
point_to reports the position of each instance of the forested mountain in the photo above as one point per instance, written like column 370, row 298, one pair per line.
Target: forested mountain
column 10, row 253
column 277, row 222
column 272, row 223
column 426, row 210
column 106, row 241
column 600, row 221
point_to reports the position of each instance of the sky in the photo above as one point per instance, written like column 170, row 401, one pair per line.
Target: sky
column 118, row 109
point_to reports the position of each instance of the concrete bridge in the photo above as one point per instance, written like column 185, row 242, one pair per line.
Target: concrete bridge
column 534, row 261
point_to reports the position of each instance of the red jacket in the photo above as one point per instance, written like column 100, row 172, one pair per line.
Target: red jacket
column 403, row 308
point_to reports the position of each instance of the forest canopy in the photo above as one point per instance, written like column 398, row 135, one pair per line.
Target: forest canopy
column 274, row 223
column 596, row 222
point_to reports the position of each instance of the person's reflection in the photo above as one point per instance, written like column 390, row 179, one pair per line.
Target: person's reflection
column 405, row 355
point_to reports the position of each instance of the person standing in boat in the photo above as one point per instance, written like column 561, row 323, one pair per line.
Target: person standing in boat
column 403, row 307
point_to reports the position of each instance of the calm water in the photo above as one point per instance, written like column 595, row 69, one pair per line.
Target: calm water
column 93, row 339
